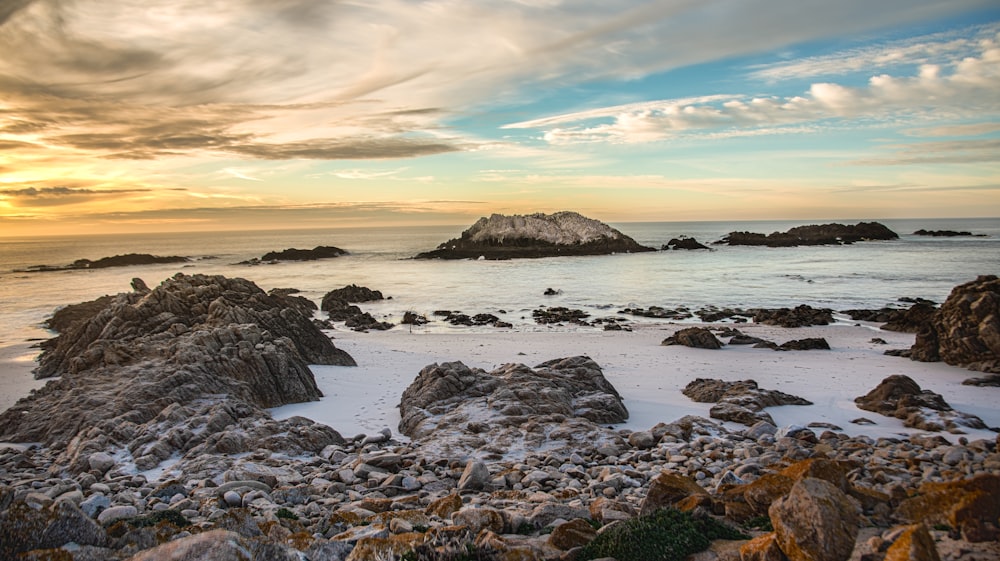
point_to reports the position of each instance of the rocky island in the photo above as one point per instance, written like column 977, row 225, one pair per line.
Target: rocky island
column 126, row 260
column 823, row 234
column 535, row 235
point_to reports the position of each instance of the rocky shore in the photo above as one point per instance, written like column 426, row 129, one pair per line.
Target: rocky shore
column 821, row 234
column 154, row 443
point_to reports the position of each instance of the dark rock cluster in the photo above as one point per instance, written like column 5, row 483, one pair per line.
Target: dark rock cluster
column 126, row 260
column 293, row 254
column 740, row 402
column 965, row 330
column 823, row 234
column 901, row 397
column 339, row 305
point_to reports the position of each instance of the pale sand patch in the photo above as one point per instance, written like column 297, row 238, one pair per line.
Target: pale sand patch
column 16, row 381
column 649, row 377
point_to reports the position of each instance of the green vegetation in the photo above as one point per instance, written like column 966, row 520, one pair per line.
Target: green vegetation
column 665, row 535
column 759, row 523
column 287, row 514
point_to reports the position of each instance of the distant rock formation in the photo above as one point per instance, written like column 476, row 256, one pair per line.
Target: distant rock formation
column 684, row 242
column 696, row 337
column 965, row 330
column 126, row 260
column 292, row 254
column 557, row 406
column 944, row 233
column 824, row 234
column 909, row 320
column 535, row 235
column 195, row 347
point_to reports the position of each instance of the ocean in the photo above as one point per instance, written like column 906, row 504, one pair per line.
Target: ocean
column 862, row 275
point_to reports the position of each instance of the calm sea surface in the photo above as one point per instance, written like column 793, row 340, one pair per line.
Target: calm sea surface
column 863, row 275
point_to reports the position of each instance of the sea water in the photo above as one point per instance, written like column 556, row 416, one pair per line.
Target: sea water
column 861, row 275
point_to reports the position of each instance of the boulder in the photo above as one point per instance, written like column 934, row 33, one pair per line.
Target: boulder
column 353, row 294
column 214, row 545
column 667, row 489
column 900, row 396
column 697, row 337
column 740, row 402
column 535, row 235
column 965, row 330
column 816, row 521
column 915, row 543
column 557, row 406
column 808, row 344
column 965, row 504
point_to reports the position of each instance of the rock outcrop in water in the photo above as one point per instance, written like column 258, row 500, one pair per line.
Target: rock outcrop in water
column 126, row 260
column 965, row 330
column 558, row 405
column 161, row 372
column 535, row 235
column 823, row 234
column 293, row 254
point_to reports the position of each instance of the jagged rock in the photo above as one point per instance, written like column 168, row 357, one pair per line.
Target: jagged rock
column 412, row 318
column 560, row 314
column 354, row 294
column 475, row 476
column 741, row 402
column 214, row 545
column 684, row 242
column 697, row 337
column 809, row 344
column 287, row 296
column 942, row 233
column 824, row 234
column 292, row 254
column 965, row 330
column 535, row 235
column 23, row 528
column 575, row 533
column 815, row 522
column 126, row 370
column 900, row 396
column 762, row 548
column 556, row 405
column 799, row 316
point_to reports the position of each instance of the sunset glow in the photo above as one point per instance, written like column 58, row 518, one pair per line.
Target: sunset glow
column 123, row 116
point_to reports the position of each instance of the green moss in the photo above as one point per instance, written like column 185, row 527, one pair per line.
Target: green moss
column 285, row 513
column 665, row 535
column 759, row 523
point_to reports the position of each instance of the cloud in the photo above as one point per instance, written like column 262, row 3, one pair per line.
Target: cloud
column 950, row 152
column 965, row 88
column 927, row 49
column 29, row 197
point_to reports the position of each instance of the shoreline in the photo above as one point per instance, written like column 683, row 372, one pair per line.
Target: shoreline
column 649, row 377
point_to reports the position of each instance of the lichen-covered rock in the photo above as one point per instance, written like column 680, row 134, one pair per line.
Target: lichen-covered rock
column 762, row 548
column 962, row 504
column 558, row 405
column 965, row 330
column 815, row 522
column 900, row 396
column 667, row 489
column 214, row 545
column 535, row 235
column 915, row 543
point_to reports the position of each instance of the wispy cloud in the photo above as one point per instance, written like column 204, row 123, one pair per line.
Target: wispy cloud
column 950, row 152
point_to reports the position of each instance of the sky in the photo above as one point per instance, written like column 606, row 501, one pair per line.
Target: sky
column 124, row 116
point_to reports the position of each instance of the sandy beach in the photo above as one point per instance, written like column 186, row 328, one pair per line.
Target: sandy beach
column 649, row 376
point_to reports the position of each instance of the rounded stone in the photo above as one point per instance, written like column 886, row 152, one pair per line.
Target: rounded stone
column 115, row 513
column 232, row 498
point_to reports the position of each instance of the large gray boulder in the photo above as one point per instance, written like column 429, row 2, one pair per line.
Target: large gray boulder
column 558, row 405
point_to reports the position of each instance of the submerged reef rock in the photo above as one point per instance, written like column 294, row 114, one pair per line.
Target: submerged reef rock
column 823, row 234
column 535, row 235
column 556, row 406
column 965, row 330
column 684, row 242
column 900, row 396
column 148, row 362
